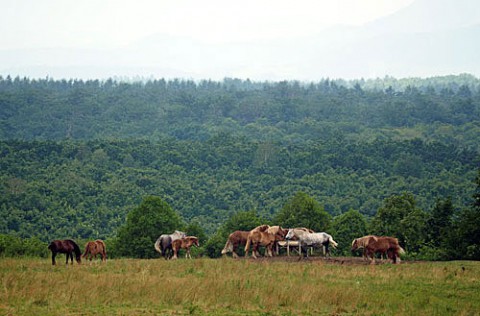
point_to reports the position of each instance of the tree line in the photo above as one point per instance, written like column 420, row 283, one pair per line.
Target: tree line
column 437, row 234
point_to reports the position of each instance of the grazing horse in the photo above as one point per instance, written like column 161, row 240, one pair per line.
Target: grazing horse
column 68, row 247
column 388, row 245
column 305, row 238
column 94, row 248
column 363, row 242
column 234, row 240
column 184, row 243
column 264, row 236
column 163, row 245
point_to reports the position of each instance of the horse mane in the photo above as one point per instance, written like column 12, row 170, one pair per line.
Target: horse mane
column 76, row 249
column 261, row 228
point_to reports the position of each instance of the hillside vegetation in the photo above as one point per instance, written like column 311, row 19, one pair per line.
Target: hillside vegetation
column 77, row 156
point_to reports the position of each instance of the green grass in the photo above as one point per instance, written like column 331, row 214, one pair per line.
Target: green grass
column 237, row 287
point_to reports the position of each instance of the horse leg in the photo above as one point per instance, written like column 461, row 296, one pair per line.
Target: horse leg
column 254, row 250
column 54, row 254
column 175, row 251
column 234, row 254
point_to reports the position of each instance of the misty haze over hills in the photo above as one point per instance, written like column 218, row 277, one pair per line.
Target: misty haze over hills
column 426, row 38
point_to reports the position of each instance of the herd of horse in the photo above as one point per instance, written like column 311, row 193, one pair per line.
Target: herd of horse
column 268, row 236
column 169, row 245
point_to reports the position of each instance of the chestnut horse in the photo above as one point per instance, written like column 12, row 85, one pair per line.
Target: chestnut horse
column 184, row 243
column 94, row 248
column 362, row 242
column 388, row 245
column 264, row 236
column 234, row 240
column 68, row 247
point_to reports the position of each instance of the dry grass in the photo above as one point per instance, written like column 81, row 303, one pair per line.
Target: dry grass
column 237, row 287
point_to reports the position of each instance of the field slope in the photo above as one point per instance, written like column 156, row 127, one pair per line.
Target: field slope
column 238, row 287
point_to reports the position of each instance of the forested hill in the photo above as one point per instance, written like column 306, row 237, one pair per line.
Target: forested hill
column 77, row 156
column 444, row 109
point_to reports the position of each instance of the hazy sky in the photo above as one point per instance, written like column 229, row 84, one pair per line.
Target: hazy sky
column 256, row 39
column 113, row 23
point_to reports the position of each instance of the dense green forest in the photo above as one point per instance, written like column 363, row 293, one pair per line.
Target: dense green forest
column 77, row 156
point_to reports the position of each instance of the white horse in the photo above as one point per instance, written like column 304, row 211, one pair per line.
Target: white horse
column 306, row 238
column 164, row 243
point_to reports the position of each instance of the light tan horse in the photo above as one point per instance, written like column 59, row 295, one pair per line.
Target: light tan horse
column 184, row 243
column 94, row 248
column 264, row 236
column 235, row 239
column 362, row 243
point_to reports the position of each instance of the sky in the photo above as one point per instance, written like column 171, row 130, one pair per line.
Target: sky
column 109, row 23
column 256, row 39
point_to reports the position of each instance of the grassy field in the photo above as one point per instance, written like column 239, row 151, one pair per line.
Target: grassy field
column 238, row 287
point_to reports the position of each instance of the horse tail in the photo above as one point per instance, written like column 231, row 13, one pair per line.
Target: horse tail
column 401, row 250
column 333, row 242
column 157, row 245
column 87, row 246
column 228, row 247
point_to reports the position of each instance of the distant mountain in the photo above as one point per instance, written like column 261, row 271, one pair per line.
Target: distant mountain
column 427, row 38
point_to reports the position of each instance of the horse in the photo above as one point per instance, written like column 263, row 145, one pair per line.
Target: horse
column 305, row 238
column 163, row 245
column 388, row 245
column 184, row 243
column 234, row 240
column 94, row 248
column 68, row 247
column 264, row 236
column 362, row 242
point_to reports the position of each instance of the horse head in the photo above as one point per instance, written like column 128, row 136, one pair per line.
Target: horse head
column 194, row 241
column 354, row 244
column 290, row 234
column 281, row 233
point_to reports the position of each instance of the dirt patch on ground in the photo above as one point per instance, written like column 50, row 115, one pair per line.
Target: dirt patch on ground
column 330, row 260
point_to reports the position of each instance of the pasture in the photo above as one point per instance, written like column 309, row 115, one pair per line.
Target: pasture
column 274, row 286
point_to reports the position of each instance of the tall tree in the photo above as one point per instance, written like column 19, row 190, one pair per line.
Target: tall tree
column 399, row 217
column 346, row 227
column 467, row 227
column 144, row 225
column 303, row 211
column 439, row 224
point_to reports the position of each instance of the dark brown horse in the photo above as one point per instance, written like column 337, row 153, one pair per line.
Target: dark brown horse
column 67, row 247
column 94, row 248
column 388, row 245
column 184, row 243
column 235, row 239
